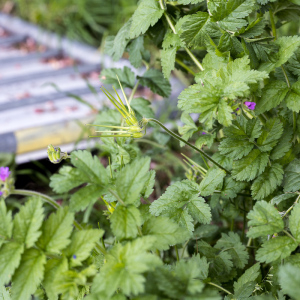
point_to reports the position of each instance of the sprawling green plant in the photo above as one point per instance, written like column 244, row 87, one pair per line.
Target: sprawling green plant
column 231, row 228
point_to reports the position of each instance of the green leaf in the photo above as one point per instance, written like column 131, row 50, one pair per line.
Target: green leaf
column 289, row 280
column 10, row 256
column 292, row 176
column 125, row 222
column 135, row 50
column 205, row 139
column 199, row 210
column 53, row 268
column 293, row 98
column 132, row 179
column 276, row 248
column 6, row 224
column 156, row 82
column 85, row 196
column 254, row 29
column 148, row 188
column 231, row 187
column 193, row 29
column 250, row 166
column 126, row 77
column 235, row 148
column 29, row 275
column 168, row 57
column 264, row 220
column 294, row 222
column 273, row 94
column 272, row 131
column 251, row 274
column 146, row 15
column 82, row 243
column 67, row 179
column 213, row 178
column 230, row 14
column 28, row 222
column 118, row 45
column 56, row 231
column 142, row 107
column 231, row 243
column 278, row 199
column 124, row 268
column 188, row 129
column 181, row 217
column 284, row 144
column 266, row 183
column 4, row 294
column 166, row 232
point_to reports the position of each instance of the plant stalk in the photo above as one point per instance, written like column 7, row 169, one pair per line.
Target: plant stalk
column 274, row 32
column 187, row 143
column 219, row 287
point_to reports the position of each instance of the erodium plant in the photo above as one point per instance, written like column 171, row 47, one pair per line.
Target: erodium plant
column 231, row 229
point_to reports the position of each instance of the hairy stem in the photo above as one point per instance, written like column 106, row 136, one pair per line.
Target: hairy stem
column 196, row 61
column 182, row 64
column 219, row 287
column 176, row 136
column 55, row 205
column 289, row 235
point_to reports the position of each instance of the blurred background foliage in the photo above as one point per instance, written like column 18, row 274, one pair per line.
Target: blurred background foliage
column 83, row 20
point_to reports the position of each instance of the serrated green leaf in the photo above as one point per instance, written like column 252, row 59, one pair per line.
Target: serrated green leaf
column 181, row 217
column 29, row 275
column 166, row 232
column 28, row 222
column 231, row 187
column 251, row 274
column 135, row 50
column 193, row 29
column 126, row 77
column 205, row 139
column 125, row 222
column 289, row 280
column 213, row 178
column 4, row 294
column 276, row 248
column 254, row 29
column 146, row 15
column 273, row 95
column 53, row 268
column 168, row 57
column 230, row 15
column 82, row 243
column 294, row 222
column 10, row 256
column 278, row 199
column 264, row 220
column 250, row 166
column 284, row 144
column 224, row 113
column 85, row 196
column 148, row 188
column 91, row 166
column 142, row 107
column 272, row 131
column 6, row 224
column 156, row 82
column 188, row 129
column 205, row 231
column 117, row 44
column 293, row 98
column 125, row 267
column 292, row 176
column 132, row 179
column 231, row 243
column 266, row 183
column 56, row 231
column 235, row 148
column 199, row 210
column 67, row 179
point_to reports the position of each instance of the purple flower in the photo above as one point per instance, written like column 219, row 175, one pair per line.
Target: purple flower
column 1, row 193
column 74, row 256
column 250, row 105
column 237, row 109
column 203, row 132
column 4, row 173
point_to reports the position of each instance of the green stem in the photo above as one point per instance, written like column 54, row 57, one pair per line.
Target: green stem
column 176, row 250
column 219, row 287
column 54, row 204
column 185, row 66
column 187, row 143
column 196, row 61
column 150, row 142
column 117, row 196
column 184, row 246
column 289, row 235
column 133, row 91
column 291, row 207
column 273, row 24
